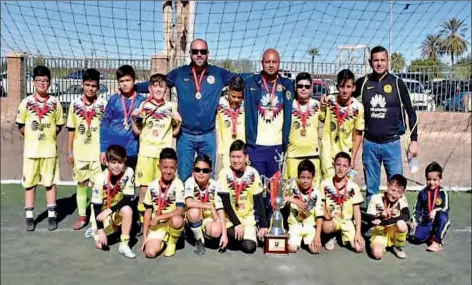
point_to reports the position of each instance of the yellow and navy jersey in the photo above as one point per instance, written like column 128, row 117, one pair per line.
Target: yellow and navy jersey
column 270, row 117
column 192, row 190
column 86, row 148
column 249, row 184
column 40, row 118
column 314, row 203
column 304, row 141
column 337, row 138
column 156, row 132
column 108, row 194
column 173, row 199
column 224, row 125
column 378, row 202
column 343, row 203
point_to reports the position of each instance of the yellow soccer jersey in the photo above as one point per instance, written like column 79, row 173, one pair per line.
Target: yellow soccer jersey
column 193, row 191
column 241, row 190
column 224, row 125
column 304, row 141
column 156, row 131
column 344, row 203
column 40, row 119
column 378, row 202
column 172, row 196
column 336, row 139
column 109, row 194
column 86, row 148
column 314, row 202
column 270, row 118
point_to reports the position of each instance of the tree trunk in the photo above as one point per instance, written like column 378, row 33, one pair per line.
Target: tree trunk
column 312, row 65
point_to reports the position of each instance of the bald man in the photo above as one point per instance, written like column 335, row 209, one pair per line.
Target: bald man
column 268, row 102
column 199, row 87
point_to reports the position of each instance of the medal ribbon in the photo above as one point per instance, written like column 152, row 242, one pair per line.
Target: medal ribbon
column 161, row 199
column 88, row 114
column 41, row 112
column 300, row 197
column 340, row 200
column 238, row 188
column 340, row 119
column 266, row 86
column 304, row 115
column 431, row 202
column 112, row 192
column 128, row 112
column 198, row 82
column 205, row 198
column 234, row 120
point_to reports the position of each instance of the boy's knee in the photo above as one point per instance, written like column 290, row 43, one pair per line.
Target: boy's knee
column 292, row 248
column 248, row 246
column 377, row 253
column 328, row 227
column 401, row 226
column 194, row 215
column 151, row 253
column 442, row 217
column 177, row 222
column 126, row 211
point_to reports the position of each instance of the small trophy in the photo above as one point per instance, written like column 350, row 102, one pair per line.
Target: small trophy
column 276, row 240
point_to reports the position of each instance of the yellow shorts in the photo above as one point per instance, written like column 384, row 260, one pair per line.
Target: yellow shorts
column 86, row 170
column 386, row 236
column 159, row 232
column 348, row 231
column 299, row 231
column 110, row 223
column 292, row 169
column 147, row 169
column 40, row 171
column 249, row 225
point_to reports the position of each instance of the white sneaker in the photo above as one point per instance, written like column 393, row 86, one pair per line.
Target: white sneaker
column 398, row 251
column 330, row 244
column 126, row 251
column 89, row 233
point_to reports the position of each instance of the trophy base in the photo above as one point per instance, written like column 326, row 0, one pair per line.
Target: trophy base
column 276, row 244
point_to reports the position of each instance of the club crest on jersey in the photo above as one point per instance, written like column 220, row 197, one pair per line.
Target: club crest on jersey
column 288, row 95
column 227, row 123
column 296, row 125
column 211, row 79
column 332, row 126
column 388, row 88
column 279, row 88
column 438, row 202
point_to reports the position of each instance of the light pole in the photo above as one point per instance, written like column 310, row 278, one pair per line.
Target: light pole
column 390, row 35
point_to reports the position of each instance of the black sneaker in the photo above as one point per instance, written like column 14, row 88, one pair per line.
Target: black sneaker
column 29, row 224
column 52, row 224
column 199, row 247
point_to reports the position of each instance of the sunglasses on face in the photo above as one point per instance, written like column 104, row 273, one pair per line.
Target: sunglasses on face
column 301, row 86
column 201, row 51
column 204, row 170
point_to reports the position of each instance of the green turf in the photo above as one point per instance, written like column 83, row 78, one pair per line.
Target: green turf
column 66, row 257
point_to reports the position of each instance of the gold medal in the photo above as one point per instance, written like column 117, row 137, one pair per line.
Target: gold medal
column 234, row 136
column 303, row 132
column 40, row 127
column 88, row 133
column 198, row 95
column 271, row 108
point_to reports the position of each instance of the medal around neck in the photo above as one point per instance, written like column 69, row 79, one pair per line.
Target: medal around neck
column 198, row 95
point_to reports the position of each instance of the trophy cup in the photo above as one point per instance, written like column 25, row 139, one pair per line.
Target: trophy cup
column 276, row 240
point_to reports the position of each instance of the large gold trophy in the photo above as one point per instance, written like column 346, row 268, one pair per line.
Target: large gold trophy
column 276, row 240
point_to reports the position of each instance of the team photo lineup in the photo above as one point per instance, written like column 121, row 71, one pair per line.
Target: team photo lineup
column 260, row 158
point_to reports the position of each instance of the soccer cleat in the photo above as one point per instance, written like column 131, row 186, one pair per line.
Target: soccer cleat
column 80, row 223
column 170, row 249
column 330, row 244
column 52, row 224
column 199, row 247
column 398, row 251
column 126, row 251
column 29, row 224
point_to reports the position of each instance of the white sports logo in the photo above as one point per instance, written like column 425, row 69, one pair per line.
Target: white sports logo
column 378, row 101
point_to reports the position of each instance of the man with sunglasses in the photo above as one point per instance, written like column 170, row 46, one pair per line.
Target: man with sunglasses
column 268, row 107
column 199, row 86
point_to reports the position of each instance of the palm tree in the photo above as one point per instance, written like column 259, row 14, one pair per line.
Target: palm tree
column 397, row 62
column 431, row 47
column 313, row 52
column 454, row 44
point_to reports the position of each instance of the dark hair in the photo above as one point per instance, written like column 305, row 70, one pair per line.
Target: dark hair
column 377, row 49
column 398, row 179
column 41, row 70
column 168, row 153
column 91, row 74
column 433, row 167
column 236, row 84
column 238, row 145
column 116, row 153
column 345, row 75
column 157, row 78
column 303, row 76
column 125, row 70
column 343, row 154
column 203, row 158
column 306, row 165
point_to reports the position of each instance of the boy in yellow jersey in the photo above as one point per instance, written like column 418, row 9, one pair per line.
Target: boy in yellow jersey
column 389, row 213
column 200, row 196
column 306, row 211
column 303, row 139
column 40, row 119
column 240, row 194
column 155, row 122
column 83, row 124
column 164, row 203
column 112, row 193
column 230, row 122
column 341, row 201
column 343, row 119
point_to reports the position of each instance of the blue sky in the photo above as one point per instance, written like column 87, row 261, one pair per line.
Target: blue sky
column 235, row 30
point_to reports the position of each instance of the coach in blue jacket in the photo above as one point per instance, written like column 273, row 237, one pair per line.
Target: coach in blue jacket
column 199, row 87
column 268, row 105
